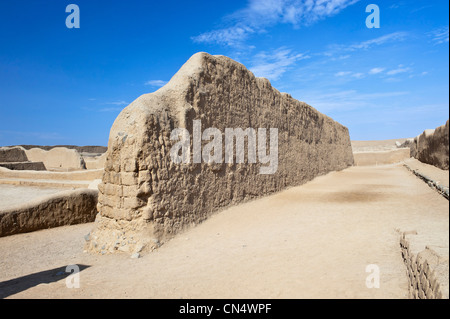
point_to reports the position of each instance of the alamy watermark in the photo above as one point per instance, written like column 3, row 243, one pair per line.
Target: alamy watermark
column 212, row 152
column 73, row 19
column 373, row 19
column 373, row 279
column 73, row 280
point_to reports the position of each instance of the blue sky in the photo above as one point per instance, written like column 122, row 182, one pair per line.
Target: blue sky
column 66, row 86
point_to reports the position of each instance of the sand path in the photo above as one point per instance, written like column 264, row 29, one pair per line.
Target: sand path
column 311, row 241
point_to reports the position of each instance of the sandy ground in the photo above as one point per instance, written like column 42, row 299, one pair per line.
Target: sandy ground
column 311, row 241
column 11, row 195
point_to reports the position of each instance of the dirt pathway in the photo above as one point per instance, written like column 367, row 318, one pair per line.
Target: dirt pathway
column 311, row 241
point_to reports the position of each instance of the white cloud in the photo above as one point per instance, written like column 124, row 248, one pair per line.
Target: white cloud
column 343, row 73
column 396, row 36
column 110, row 109
column 272, row 65
column 334, row 51
column 308, row 12
column 376, row 70
column 439, row 35
column 116, row 103
column 357, row 75
column 399, row 70
column 348, row 100
column 421, row 8
column 338, row 58
column 156, row 83
column 260, row 14
column 230, row 36
column 392, row 80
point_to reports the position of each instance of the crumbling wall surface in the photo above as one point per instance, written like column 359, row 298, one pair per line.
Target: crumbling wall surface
column 145, row 198
column 12, row 154
column 57, row 158
column 432, row 147
column 63, row 208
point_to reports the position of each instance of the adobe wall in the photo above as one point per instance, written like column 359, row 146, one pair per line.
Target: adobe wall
column 57, row 158
column 95, row 162
column 21, row 166
column 12, row 154
column 146, row 196
column 431, row 147
column 63, row 208
column 427, row 269
column 15, row 158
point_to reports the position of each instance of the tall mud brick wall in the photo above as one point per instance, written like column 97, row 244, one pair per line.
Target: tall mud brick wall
column 145, row 198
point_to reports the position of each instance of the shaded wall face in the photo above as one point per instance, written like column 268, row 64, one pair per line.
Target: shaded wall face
column 142, row 186
column 12, row 154
column 433, row 148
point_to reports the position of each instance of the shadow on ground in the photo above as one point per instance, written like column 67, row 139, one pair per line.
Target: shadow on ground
column 16, row 285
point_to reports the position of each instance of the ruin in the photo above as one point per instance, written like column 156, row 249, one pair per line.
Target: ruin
column 15, row 158
column 145, row 198
column 431, row 147
column 58, row 158
column 63, row 208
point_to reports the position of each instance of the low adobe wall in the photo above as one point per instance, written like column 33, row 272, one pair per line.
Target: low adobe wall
column 63, row 208
column 427, row 270
column 21, row 166
column 144, row 194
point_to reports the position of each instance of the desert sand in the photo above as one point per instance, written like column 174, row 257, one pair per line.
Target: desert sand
column 14, row 195
column 310, row 241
